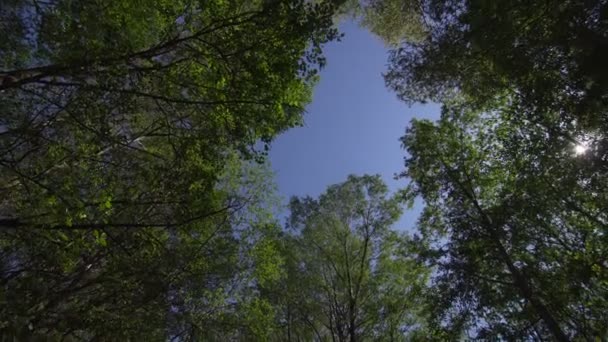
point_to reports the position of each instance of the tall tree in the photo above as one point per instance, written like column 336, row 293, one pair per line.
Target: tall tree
column 514, row 228
column 119, row 122
column 349, row 276
column 512, row 174
column 149, row 121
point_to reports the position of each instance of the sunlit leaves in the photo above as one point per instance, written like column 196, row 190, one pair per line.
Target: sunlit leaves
column 127, row 200
column 497, row 196
column 348, row 276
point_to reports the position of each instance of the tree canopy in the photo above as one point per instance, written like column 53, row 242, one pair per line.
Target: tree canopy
column 544, row 55
column 137, row 203
column 125, row 128
column 512, row 174
column 349, row 276
column 514, row 228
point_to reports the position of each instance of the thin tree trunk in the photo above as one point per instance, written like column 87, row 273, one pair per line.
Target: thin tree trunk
column 526, row 291
column 521, row 283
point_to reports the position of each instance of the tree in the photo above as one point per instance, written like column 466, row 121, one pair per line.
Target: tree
column 544, row 58
column 349, row 277
column 511, row 175
column 118, row 123
column 93, row 114
column 194, row 281
column 513, row 227
column 545, row 55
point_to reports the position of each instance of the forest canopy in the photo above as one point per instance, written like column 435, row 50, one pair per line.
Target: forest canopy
column 132, row 203
column 137, row 201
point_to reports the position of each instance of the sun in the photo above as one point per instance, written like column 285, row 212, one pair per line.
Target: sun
column 580, row 149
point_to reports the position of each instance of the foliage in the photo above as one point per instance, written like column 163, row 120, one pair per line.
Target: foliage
column 135, row 202
column 545, row 56
column 393, row 21
column 513, row 227
column 512, row 174
column 348, row 276
column 128, row 208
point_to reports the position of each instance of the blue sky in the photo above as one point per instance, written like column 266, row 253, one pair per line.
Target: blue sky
column 352, row 125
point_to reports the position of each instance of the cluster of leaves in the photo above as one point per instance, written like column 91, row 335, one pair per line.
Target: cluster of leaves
column 392, row 20
column 125, row 130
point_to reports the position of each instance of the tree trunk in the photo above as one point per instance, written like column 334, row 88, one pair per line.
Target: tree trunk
column 527, row 292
